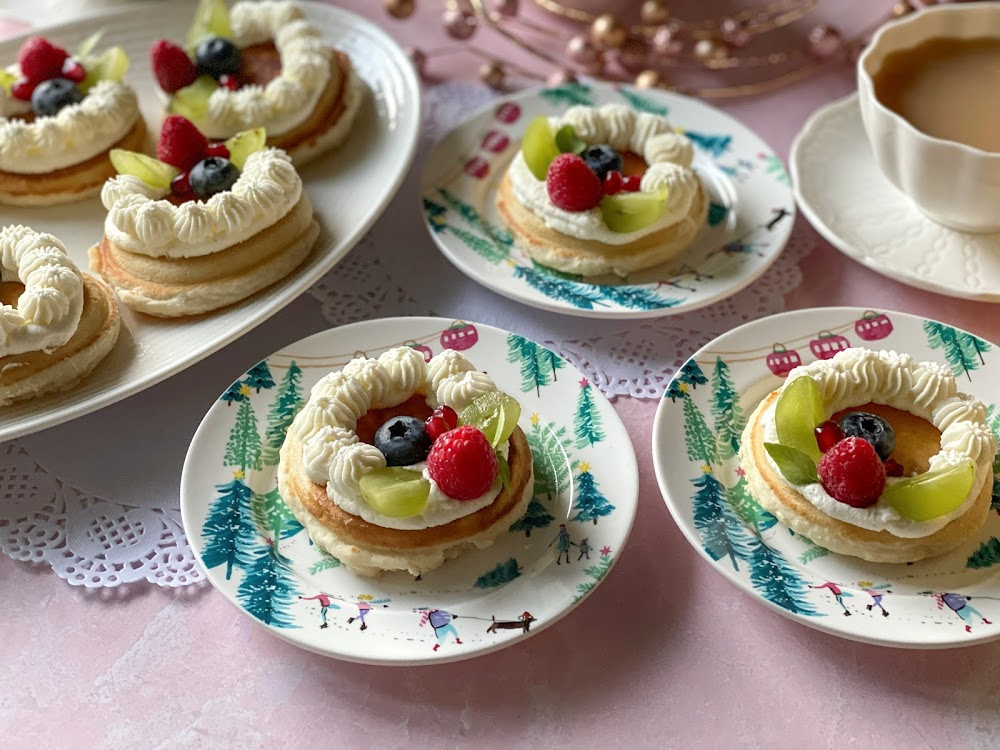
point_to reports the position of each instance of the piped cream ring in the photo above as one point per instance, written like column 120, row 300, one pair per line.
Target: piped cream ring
column 49, row 309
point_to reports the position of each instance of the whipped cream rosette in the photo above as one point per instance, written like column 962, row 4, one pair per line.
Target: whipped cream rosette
column 919, row 485
column 601, row 190
column 60, row 116
column 379, row 470
column 61, row 323
column 217, row 224
column 260, row 65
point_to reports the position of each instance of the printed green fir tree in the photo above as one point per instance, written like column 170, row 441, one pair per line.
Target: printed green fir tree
column 243, row 447
column 326, row 562
column 774, row 167
column 259, row 376
column 778, row 581
column 535, row 517
column 986, row 556
column 268, row 588
column 698, row 438
column 643, row 103
column 581, row 296
column 812, row 551
column 691, row 375
column 270, row 512
column 236, row 393
column 587, row 426
column 228, row 531
column 285, row 406
column 963, row 351
column 504, row 572
column 715, row 145
column 549, row 457
column 596, row 572
column 729, row 420
column 720, row 530
column 590, row 504
column 568, row 95
column 538, row 364
column 746, row 507
column 471, row 216
column 634, row 297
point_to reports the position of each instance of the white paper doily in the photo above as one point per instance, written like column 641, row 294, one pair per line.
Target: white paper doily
column 128, row 529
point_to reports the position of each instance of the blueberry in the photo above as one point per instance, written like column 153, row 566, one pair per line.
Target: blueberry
column 52, row 95
column 403, row 441
column 872, row 428
column 212, row 175
column 602, row 159
column 218, row 56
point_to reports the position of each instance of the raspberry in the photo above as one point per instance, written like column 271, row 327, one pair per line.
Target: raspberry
column 41, row 60
column 852, row 472
column 171, row 66
column 181, row 143
column 571, row 184
column 462, row 463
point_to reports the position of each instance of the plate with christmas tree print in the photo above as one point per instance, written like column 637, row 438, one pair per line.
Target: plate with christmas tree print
column 256, row 553
column 943, row 602
column 750, row 215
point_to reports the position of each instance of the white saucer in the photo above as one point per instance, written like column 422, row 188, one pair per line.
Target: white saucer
column 841, row 191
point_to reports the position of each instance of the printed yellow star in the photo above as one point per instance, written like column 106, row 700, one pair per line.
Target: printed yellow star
column 678, row 129
column 534, row 417
column 584, row 466
column 511, row 263
column 245, row 390
column 683, row 387
column 706, row 469
column 238, row 474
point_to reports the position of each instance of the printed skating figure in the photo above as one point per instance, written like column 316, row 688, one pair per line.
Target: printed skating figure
column 838, row 594
column 584, row 548
column 876, row 593
column 365, row 604
column 441, row 622
column 958, row 604
column 564, row 544
column 325, row 603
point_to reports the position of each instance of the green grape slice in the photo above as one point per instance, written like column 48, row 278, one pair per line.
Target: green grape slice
column 110, row 65
column 629, row 212
column 395, row 491
column 243, row 144
column 192, row 101
column 539, row 146
column 151, row 171
column 933, row 493
column 798, row 411
column 211, row 18
column 494, row 413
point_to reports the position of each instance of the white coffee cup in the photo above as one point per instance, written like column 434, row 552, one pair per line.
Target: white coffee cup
column 953, row 184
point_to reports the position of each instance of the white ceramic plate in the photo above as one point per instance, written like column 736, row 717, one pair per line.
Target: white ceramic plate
column 750, row 218
column 842, row 192
column 586, row 479
column 348, row 188
column 953, row 600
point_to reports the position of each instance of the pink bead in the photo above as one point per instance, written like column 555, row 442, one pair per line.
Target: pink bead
column 666, row 41
column 634, row 53
column 735, row 32
column 506, row 7
column 458, row 24
column 419, row 60
column 582, row 51
column 825, row 41
column 561, row 77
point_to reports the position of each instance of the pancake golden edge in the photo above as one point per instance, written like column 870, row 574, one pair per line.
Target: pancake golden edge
column 368, row 549
column 590, row 257
column 775, row 495
column 24, row 376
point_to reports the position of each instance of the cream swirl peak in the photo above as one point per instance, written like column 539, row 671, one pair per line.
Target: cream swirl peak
column 48, row 311
column 140, row 220
column 326, row 426
column 928, row 390
column 286, row 101
column 77, row 133
column 668, row 156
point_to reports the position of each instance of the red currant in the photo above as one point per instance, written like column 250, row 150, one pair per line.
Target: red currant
column 828, row 434
column 435, row 427
column 612, row 182
column 73, row 70
column 229, row 81
column 632, row 183
column 893, row 468
column 181, row 185
column 448, row 414
column 217, row 149
column 22, row 89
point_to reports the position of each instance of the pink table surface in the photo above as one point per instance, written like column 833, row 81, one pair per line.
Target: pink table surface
column 665, row 653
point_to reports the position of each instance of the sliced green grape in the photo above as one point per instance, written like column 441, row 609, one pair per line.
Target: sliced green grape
column 394, row 491
column 211, row 18
column 89, row 44
column 494, row 413
column 932, row 493
column 567, row 142
column 110, row 65
column 146, row 168
column 6, row 80
column 539, row 146
column 243, row 144
column 629, row 212
column 798, row 411
column 192, row 101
